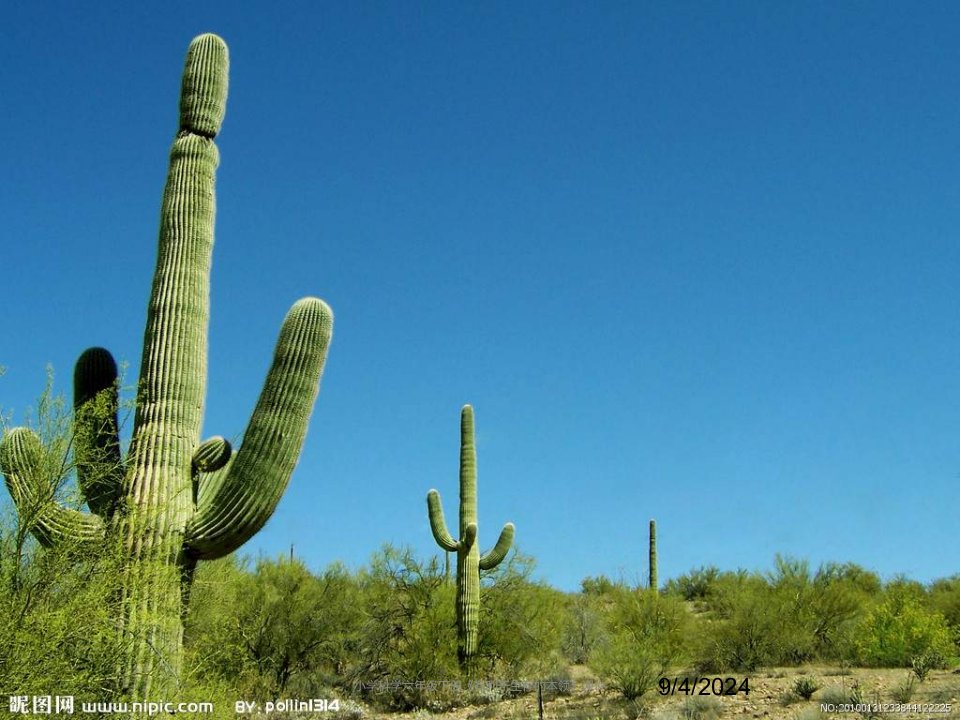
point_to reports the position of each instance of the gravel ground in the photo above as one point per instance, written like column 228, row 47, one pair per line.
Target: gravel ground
column 771, row 697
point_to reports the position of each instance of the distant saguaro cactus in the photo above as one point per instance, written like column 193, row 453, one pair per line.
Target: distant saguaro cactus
column 175, row 500
column 469, row 560
column 653, row 555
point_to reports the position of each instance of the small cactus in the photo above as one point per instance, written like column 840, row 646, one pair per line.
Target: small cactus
column 653, row 555
column 469, row 560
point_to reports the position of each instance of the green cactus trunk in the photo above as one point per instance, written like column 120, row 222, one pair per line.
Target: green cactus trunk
column 653, row 555
column 469, row 560
column 175, row 500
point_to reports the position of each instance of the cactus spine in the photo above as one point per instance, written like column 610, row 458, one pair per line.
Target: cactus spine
column 653, row 555
column 469, row 560
column 175, row 500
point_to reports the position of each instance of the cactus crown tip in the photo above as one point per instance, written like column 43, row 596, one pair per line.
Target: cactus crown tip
column 96, row 355
column 208, row 37
column 203, row 91
column 313, row 303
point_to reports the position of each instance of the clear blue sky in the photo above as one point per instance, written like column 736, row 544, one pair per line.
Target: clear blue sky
column 688, row 260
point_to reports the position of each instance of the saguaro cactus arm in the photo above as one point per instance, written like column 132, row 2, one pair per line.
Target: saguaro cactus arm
column 498, row 552
column 235, row 502
column 21, row 460
column 468, row 539
column 96, row 441
column 438, row 525
column 212, row 454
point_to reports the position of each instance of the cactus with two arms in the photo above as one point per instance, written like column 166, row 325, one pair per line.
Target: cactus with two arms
column 469, row 560
column 174, row 500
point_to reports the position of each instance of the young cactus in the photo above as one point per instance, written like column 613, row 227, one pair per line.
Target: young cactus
column 469, row 560
column 653, row 555
column 175, row 500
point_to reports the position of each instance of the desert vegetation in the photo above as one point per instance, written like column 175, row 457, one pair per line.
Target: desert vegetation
column 383, row 639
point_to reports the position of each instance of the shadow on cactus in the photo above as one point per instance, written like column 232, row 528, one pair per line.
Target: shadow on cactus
column 174, row 500
column 469, row 560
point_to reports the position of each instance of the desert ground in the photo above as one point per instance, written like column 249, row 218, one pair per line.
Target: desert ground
column 772, row 696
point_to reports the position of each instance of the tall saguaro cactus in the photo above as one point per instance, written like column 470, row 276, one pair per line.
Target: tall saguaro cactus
column 653, row 555
column 469, row 560
column 175, row 500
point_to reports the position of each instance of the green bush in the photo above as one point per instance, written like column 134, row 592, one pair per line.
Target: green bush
column 926, row 661
column 408, row 638
column 744, row 634
column 786, row 617
column 645, row 634
column 945, row 598
column 837, row 695
column 701, row 707
column 583, row 627
column 900, row 629
column 695, row 585
column 57, row 633
column 903, row 693
column 214, row 651
column 805, row 687
column 522, row 624
column 600, row 585
column 841, row 594
column 279, row 630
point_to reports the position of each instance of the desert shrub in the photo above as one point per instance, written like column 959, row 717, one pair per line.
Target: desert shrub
column 583, row 627
column 213, row 649
column 836, row 695
column 900, row 628
column 788, row 697
column 786, row 617
column 903, row 692
column 943, row 694
column 58, row 634
column 868, row 700
column 695, row 585
column 819, row 613
column 944, row 597
column 745, row 633
column 645, row 633
column 926, row 661
column 726, row 590
column 521, row 623
column 278, row 629
column 793, row 597
column 841, row 594
column 858, row 578
column 805, row 687
column 408, row 637
column 700, row 707
column 631, row 669
column 600, row 585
